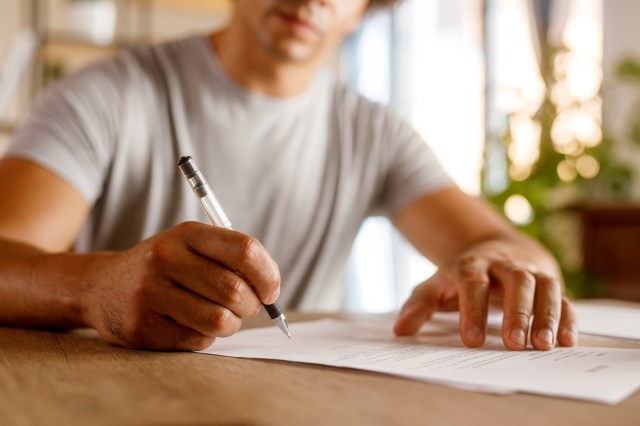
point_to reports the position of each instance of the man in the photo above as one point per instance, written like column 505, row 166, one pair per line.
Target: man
column 297, row 162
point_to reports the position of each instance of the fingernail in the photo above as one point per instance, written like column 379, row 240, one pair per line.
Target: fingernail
column 517, row 335
column 474, row 336
column 546, row 335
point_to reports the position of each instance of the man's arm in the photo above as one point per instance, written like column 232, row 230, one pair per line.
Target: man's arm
column 32, row 225
column 177, row 290
column 481, row 258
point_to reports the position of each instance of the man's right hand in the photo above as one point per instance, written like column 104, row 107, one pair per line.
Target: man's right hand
column 180, row 289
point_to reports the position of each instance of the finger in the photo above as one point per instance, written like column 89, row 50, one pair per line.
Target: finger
column 195, row 312
column 519, row 292
column 568, row 329
column 239, row 253
column 215, row 283
column 420, row 306
column 472, row 281
column 160, row 333
column 546, row 312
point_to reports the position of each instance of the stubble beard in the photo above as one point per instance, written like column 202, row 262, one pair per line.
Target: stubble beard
column 290, row 50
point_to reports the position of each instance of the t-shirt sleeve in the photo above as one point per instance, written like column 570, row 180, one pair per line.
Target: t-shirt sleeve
column 412, row 169
column 71, row 129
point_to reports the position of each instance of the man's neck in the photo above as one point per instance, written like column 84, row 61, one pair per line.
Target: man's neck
column 258, row 71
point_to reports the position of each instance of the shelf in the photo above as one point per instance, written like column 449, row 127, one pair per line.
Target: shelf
column 61, row 51
column 76, row 52
column 71, row 40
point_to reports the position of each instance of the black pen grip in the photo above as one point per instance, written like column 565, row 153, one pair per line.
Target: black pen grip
column 273, row 310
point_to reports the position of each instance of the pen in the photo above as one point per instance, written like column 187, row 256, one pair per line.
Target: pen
column 213, row 209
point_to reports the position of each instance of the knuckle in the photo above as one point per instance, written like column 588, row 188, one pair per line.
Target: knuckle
column 220, row 318
column 544, row 278
column 468, row 262
column 469, row 272
column 519, row 315
column 548, row 316
column 249, row 248
column 232, row 293
column 223, row 323
column 520, row 311
column 476, row 281
column 519, row 273
column 157, row 253
column 553, row 284
column 521, row 276
column 476, row 314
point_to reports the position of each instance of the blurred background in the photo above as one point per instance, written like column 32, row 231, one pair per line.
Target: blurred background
column 533, row 104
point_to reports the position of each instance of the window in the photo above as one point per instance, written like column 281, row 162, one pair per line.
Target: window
column 425, row 60
column 431, row 62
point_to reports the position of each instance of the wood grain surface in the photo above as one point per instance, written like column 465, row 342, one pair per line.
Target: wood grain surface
column 49, row 378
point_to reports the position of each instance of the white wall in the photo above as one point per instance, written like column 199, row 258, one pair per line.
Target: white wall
column 621, row 99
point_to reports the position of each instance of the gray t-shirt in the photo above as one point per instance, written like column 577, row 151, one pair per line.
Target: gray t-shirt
column 299, row 174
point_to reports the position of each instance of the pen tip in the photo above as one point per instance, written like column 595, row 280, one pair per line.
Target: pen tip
column 281, row 322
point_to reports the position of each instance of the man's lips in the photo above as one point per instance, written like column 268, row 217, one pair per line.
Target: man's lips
column 298, row 23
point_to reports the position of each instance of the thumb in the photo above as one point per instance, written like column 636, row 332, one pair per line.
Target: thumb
column 419, row 308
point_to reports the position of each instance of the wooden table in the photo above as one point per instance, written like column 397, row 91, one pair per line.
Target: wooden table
column 76, row 379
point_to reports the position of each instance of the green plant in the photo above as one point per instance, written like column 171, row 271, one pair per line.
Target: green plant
column 629, row 69
column 52, row 71
column 572, row 168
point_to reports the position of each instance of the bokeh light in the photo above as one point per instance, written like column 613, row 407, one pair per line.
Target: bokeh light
column 587, row 166
column 566, row 171
column 518, row 210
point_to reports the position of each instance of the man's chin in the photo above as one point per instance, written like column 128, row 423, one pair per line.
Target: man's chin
column 294, row 52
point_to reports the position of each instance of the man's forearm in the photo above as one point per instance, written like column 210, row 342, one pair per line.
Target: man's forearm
column 40, row 289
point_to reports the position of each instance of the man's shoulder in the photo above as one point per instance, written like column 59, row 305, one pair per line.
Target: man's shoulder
column 131, row 69
column 144, row 57
column 171, row 49
column 157, row 57
column 348, row 96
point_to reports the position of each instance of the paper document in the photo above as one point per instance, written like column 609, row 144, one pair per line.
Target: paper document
column 608, row 321
column 594, row 319
column 596, row 374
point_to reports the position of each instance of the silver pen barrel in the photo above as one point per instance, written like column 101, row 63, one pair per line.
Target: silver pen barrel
column 204, row 193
